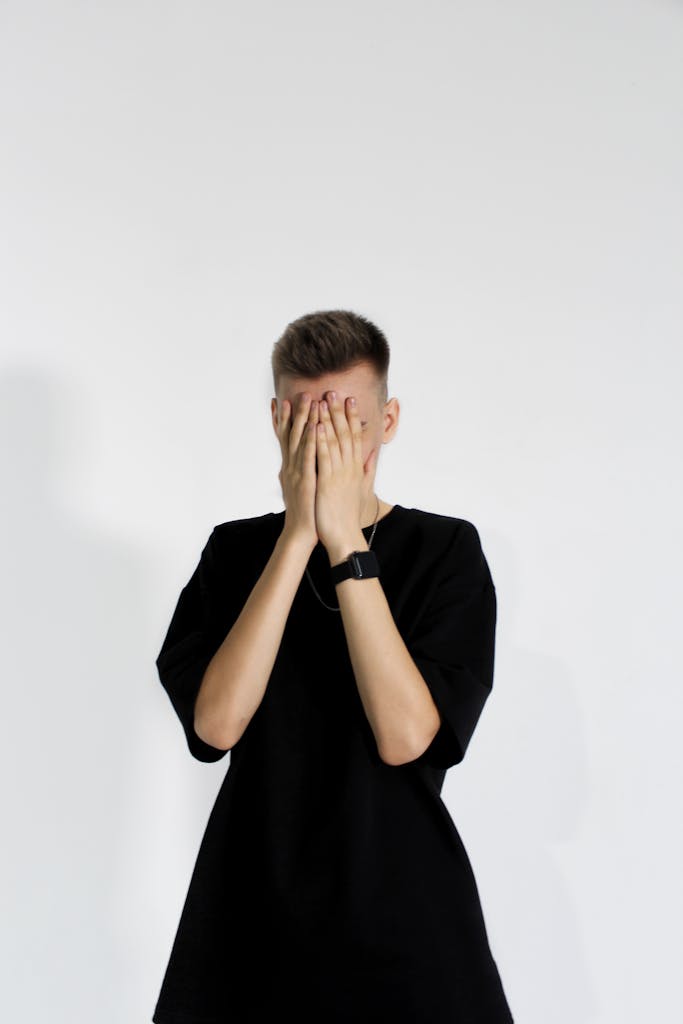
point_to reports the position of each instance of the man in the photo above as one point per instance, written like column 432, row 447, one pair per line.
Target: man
column 331, row 882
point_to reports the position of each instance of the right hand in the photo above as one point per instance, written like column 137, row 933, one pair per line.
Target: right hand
column 297, row 476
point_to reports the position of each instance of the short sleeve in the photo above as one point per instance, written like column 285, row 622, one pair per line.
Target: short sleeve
column 190, row 643
column 453, row 645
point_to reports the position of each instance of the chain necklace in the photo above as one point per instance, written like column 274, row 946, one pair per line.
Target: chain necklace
column 331, row 607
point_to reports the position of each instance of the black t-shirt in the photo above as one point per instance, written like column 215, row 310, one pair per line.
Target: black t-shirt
column 330, row 885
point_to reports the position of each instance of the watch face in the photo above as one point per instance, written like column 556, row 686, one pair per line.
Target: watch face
column 363, row 563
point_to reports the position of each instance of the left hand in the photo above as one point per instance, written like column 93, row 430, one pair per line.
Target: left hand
column 344, row 481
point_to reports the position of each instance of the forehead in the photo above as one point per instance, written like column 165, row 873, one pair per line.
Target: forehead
column 359, row 382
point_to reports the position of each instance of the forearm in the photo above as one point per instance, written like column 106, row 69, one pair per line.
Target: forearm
column 396, row 699
column 236, row 678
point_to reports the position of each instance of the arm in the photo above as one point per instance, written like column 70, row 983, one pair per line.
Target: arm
column 235, row 679
column 396, row 699
column 421, row 702
column 423, row 698
column 219, row 650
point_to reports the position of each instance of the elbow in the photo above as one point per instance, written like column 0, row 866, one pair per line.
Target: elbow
column 206, row 724
column 395, row 759
column 211, row 737
column 217, row 733
column 399, row 753
column 397, row 756
column 409, row 748
column 212, row 733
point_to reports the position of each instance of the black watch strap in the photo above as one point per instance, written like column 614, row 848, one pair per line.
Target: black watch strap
column 358, row 565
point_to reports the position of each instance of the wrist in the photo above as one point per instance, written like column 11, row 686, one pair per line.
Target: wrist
column 296, row 540
column 339, row 550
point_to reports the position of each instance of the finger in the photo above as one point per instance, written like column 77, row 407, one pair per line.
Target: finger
column 355, row 432
column 284, row 421
column 340, row 425
column 310, row 447
column 299, row 422
column 370, row 462
column 323, row 450
column 331, row 442
column 306, row 450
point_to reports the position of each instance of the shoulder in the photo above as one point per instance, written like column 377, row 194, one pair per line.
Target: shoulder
column 453, row 543
column 446, row 529
column 233, row 529
column 244, row 540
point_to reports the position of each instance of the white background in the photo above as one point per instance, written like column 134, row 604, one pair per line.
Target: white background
column 497, row 186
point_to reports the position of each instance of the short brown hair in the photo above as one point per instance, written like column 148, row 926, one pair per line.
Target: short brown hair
column 330, row 341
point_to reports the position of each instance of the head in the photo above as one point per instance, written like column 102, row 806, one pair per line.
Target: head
column 340, row 351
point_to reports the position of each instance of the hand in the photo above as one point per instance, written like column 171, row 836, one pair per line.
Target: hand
column 297, row 474
column 344, row 481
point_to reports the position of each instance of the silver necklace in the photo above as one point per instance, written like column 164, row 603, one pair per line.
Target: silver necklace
column 331, row 607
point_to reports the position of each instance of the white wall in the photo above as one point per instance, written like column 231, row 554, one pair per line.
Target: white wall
column 499, row 187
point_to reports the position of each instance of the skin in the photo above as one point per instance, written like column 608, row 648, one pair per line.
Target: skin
column 330, row 505
column 346, row 450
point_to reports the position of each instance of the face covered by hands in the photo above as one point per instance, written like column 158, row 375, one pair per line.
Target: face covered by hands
column 344, row 479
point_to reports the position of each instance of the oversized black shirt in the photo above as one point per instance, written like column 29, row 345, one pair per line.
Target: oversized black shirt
column 330, row 885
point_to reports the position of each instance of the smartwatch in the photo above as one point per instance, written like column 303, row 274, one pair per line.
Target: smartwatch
column 358, row 566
